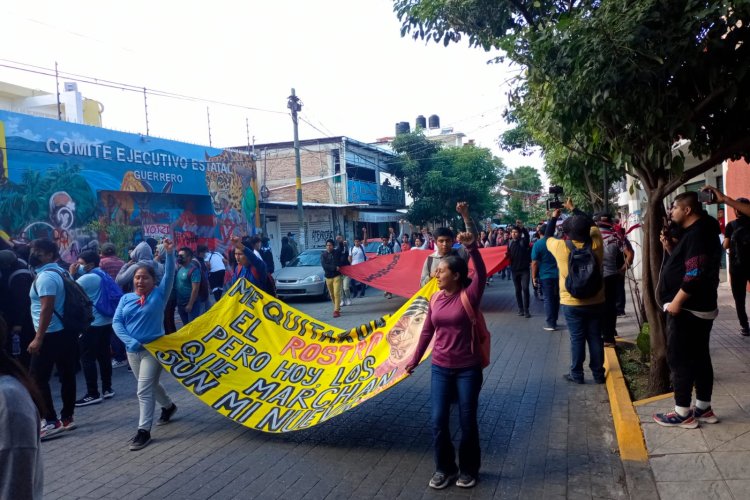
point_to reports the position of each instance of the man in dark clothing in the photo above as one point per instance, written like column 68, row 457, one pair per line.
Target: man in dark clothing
column 520, row 265
column 737, row 241
column 287, row 252
column 266, row 254
column 688, row 289
column 15, row 284
column 330, row 260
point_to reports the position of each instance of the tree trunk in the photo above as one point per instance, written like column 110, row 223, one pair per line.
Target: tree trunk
column 652, row 263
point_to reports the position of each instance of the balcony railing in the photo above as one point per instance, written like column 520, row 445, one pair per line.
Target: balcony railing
column 367, row 192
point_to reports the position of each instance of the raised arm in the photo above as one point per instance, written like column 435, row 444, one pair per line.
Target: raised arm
column 463, row 208
column 167, row 281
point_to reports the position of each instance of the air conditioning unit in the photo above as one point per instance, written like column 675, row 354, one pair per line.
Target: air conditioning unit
column 70, row 87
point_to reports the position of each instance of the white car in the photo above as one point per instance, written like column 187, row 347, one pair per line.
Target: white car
column 302, row 277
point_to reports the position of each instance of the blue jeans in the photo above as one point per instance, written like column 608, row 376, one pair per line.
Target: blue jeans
column 584, row 325
column 187, row 317
column 551, row 292
column 466, row 383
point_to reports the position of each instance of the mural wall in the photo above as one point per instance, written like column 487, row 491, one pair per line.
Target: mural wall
column 80, row 185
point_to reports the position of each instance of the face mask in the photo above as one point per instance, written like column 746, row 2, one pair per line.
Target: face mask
column 180, row 260
column 81, row 269
column 34, row 260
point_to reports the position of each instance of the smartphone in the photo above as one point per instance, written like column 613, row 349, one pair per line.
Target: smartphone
column 706, row 197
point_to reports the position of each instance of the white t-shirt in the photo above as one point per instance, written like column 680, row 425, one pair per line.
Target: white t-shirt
column 215, row 261
column 358, row 255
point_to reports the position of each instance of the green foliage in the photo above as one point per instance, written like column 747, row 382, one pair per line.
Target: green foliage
column 524, row 188
column 643, row 341
column 120, row 235
column 437, row 178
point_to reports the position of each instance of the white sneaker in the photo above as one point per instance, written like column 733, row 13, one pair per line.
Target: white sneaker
column 348, row 302
column 342, row 303
column 119, row 364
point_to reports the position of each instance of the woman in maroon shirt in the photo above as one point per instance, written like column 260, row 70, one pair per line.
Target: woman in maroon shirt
column 456, row 361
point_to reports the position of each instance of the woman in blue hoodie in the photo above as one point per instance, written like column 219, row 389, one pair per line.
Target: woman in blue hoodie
column 138, row 320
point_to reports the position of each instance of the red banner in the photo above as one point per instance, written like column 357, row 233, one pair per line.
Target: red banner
column 399, row 273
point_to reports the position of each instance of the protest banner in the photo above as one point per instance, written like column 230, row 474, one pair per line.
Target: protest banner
column 399, row 273
column 270, row 367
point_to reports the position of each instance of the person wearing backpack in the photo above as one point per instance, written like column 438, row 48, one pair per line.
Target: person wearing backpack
column 188, row 284
column 15, row 284
column 737, row 241
column 94, row 343
column 459, row 354
column 54, row 344
column 579, row 258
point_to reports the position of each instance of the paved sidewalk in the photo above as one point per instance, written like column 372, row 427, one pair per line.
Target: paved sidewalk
column 712, row 461
column 542, row 437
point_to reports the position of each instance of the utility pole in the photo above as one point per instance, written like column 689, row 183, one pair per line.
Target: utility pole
column 57, row 84
column 208, row 120
column 295, row 106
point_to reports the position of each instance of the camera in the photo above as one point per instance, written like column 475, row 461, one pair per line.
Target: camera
column 706, row 197
column 554, row 202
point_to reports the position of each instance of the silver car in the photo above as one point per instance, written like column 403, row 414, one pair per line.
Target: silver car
column 302, row 277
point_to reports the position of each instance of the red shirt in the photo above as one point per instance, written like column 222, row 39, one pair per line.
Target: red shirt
column 448, row 322
column 111, row 265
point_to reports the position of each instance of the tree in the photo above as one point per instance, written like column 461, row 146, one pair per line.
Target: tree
column 436, row 178
column 619, row 81
column 524, row 188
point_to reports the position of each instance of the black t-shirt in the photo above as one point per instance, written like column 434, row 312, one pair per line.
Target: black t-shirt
column 520, row 252
column 693, row 266
column 731, row 228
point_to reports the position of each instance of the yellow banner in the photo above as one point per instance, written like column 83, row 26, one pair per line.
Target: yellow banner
column 272, row 368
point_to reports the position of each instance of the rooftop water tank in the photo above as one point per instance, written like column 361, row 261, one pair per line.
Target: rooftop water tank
column 402, row 128
column 421, row 122
column 434, row 121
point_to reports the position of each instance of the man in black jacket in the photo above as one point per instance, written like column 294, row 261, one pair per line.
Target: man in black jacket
column 519, row 250
column 330, row 261
column 688, row 290
column 15, row 284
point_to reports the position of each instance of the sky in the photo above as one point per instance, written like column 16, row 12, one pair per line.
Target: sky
column 355, row 74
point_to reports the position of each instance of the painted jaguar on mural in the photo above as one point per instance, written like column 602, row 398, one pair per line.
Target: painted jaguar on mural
column 231, row 184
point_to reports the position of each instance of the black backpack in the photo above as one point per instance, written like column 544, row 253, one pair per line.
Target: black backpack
column 584, row 276
column 78, row 310
column 740, row 245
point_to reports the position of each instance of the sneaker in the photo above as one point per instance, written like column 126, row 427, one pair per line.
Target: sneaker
column 166, row 415
column 466, row 481
column 440, row 480
column 706, row 416
column 745, row 331
column 521, row 313
column 527, row 314
column 570, row 378
column 119, row 364
column 600, row 380
column 341, row 304
column 336, row 314
column 88, row 399
column 550, row 328
column 50, row 430
column 673, row 419
column 610, row 344
column 348, row 302
column 388, row 295
column 108, row 393
column 68, row 424
column 140, row 440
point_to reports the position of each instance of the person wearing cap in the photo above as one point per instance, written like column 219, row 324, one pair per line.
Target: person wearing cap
column 15, row 285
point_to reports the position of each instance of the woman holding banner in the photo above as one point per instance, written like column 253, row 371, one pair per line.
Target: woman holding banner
column 138, row 320
column 456, row 361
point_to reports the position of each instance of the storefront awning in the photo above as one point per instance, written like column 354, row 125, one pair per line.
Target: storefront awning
column 376, row 217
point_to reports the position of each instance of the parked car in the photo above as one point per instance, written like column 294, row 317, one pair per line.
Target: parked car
column 303, row 277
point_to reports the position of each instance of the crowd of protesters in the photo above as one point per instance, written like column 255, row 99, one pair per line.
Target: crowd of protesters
column 576, row 266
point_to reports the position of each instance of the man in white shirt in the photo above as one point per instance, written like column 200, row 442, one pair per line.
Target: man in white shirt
column 357, row 256
column 217, row 267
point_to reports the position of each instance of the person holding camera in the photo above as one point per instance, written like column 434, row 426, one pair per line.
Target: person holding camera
column 737, row 241
column 688, row 291
column 581, row 288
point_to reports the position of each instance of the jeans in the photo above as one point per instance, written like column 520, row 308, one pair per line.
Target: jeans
column 584, row 325
column 94, row 345
column 505, row 273
column 147, row 371
column 446, row 382
column 689, row 358
column 187, row 317
column 521, row 282
column 358, row 288
column 609, row 317
column 216, row 282
column 334, row 291
column 61, row 349
column 739, row 281
column 551, row 292
column 346, row 282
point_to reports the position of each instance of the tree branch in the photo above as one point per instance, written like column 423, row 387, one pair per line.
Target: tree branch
column 707, row 164
column 523, row 11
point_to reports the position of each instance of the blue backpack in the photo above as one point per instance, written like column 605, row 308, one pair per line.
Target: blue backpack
column 109, row 295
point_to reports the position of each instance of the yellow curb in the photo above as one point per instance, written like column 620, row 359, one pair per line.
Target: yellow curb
column 627, row 424
column 642, row 402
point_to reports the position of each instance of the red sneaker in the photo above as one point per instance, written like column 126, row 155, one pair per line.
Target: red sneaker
column 336, row 314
